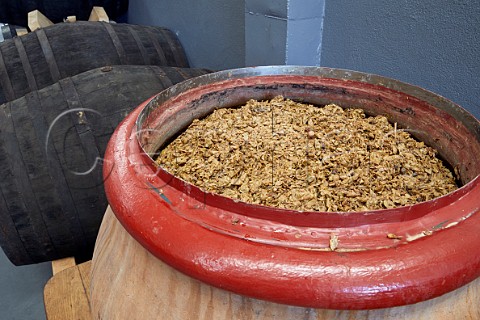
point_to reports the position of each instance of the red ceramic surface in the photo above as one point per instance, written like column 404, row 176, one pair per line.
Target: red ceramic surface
column 282, row 255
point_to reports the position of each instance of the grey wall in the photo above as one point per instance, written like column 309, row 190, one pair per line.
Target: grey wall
column 431, row 43
column 212, row 31
column 21, row 290
column 283, row 32
column 265, row 32
column 305, row 32
column 227, row 34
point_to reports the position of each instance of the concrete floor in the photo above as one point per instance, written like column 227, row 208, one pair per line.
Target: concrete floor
column 21, row 290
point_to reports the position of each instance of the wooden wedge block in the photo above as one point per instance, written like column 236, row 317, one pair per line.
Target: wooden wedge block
column 70, row 19
column 98, row 14
column 37, row 20
column 21, row 31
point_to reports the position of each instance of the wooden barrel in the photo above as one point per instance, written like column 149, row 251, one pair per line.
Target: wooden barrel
column 16, row 11
column 51, row 147
column 128, row 282
column 43, row 57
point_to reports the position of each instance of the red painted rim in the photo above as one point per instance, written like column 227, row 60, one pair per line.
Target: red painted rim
column 252, row 251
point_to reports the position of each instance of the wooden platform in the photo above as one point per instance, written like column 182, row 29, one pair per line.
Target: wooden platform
column 67, row 294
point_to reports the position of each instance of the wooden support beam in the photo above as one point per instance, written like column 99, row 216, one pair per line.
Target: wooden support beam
column 62, row 264
column 67, row 294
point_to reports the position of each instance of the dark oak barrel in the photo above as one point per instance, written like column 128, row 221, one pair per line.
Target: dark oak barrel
column 51, row 146
column 16, row 11
column 41, row 58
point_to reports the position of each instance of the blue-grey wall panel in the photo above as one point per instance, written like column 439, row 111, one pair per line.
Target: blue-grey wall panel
column 304, row 34
column 265, row 32
column 273, row 8
column 21, row 289
column 212, row 31
column 430, row 43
